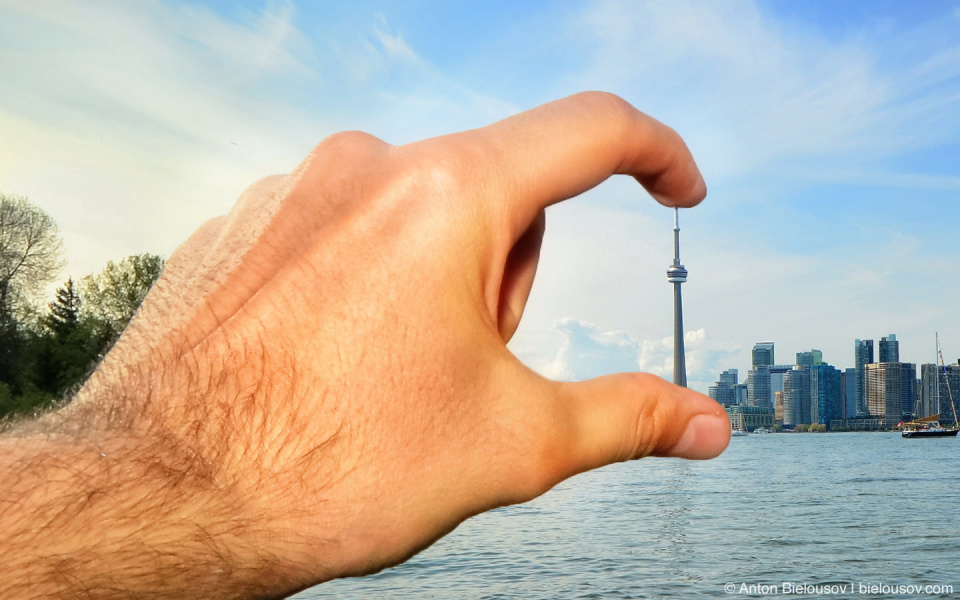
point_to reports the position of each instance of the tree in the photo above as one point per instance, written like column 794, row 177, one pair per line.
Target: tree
column 70, row 345
column 30, row 247
column 65, row 311
column 113, row 295
column 29, row 259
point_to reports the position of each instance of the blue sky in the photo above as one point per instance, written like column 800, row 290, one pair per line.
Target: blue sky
column 828, row 133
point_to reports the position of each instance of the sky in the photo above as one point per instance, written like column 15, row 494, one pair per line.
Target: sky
column 828, row 134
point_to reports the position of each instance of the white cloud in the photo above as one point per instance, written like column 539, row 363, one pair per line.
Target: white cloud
column 586, row 351
column 749, row 91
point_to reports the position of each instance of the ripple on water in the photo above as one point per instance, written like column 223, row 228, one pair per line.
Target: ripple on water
column 802, row 508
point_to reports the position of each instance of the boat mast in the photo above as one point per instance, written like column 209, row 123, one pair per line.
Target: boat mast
column 947, row 381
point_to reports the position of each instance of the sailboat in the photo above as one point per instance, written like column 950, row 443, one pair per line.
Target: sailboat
column 741, row 429
column 925, row 427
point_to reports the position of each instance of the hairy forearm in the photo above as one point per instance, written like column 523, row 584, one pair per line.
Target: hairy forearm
column 125, row 516
column 125, row 493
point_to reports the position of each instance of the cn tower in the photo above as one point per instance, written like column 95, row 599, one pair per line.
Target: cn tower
column 676, row 275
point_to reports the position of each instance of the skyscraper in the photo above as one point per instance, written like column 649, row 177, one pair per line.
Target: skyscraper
column 884, row 389
column 724, row 390
column 863, row 355
column 889, row 349
column 758, row 378
column 676, row 275
column 796, row 397
column 825, row 394
column 763, row 354
column 808, row 359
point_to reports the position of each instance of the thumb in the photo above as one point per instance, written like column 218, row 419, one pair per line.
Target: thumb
column 633, row 415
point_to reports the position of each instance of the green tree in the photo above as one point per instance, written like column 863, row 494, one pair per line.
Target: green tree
column 113, row 295
column 71, row 344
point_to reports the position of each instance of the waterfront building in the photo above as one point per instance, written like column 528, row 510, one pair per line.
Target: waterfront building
column 758, row 386
column 753, row 416
column 796, row 397
column 932, row 404
column 863, row 355
column 889, row 349
column 890, row 388
column 778, row 407
column 849, row 393
column 758, row 378
column 825, row 394
column 908, row 399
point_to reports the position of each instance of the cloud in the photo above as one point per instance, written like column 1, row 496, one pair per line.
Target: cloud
column 586, row 351
column 751, row 91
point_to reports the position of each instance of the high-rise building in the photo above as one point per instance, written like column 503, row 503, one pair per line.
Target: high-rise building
column 937, row 386
column 849, row 393
column 908, row 389
column 889, row 349
column 763, row 354
column 758, row 378
column 808, row 359
column 724, row 390
column 796, row 397
column 825, row 394
column 863, row 355
column 758, row 387
column 884, row 390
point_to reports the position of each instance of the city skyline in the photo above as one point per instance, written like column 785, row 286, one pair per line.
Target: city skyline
column 828, row 135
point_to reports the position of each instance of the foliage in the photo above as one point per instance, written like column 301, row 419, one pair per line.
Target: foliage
column 113, row 295
column 46, row 354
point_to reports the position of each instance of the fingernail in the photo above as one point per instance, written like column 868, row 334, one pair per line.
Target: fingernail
column 706, row 436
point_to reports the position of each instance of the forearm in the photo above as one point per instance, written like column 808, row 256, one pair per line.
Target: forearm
column 129, row 510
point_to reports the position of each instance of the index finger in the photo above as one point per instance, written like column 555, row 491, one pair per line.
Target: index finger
column 566, row 147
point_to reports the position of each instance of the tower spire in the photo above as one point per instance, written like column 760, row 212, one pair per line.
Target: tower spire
column 676, row 275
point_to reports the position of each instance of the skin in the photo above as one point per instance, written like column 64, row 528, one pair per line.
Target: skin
column 318, row 386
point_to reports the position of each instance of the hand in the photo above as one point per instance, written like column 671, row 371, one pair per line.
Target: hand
column 327, row 367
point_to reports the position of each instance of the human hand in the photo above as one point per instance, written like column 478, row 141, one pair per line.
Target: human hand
column 331, row 354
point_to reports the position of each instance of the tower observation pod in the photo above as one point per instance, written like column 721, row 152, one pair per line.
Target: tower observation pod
column 676, row 275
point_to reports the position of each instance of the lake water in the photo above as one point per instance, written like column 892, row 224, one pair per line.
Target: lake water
column 847, row 510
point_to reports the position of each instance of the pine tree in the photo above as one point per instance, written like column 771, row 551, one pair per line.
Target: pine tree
column 65, row 311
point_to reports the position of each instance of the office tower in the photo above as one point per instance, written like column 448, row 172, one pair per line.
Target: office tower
column 796, row 397
column 935, row 395
column 724, row 390
column 908, row 389
column 825, row 394
column 889, row 349
column 808, row 359
column 863, row 355
column 763, row 354
column 676, row 275
column 778, row 407
column 849, row 393
column 758, row 387
column 758, row 378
